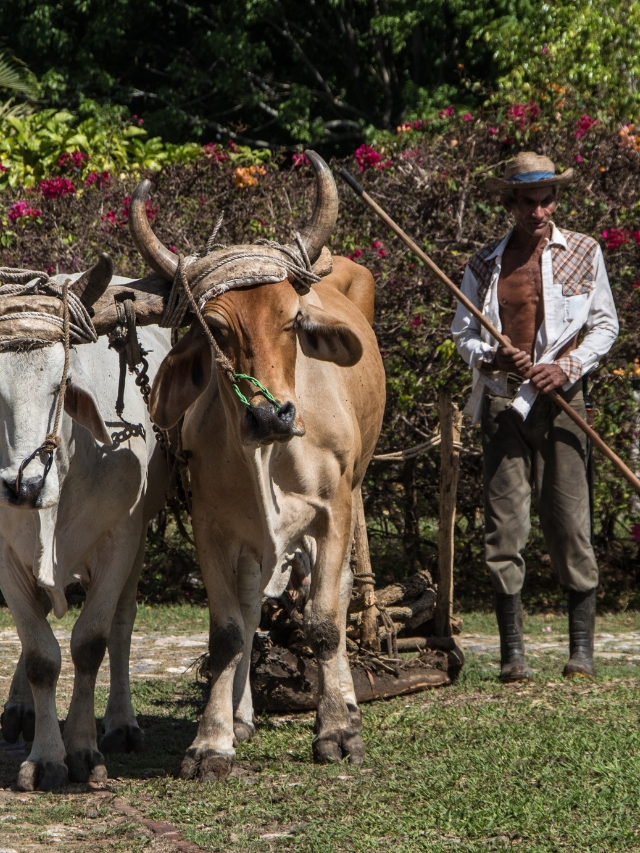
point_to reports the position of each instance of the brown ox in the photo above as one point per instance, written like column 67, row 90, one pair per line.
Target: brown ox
column 272, row 484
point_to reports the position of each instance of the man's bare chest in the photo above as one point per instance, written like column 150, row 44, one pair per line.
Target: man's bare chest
column 520, row 284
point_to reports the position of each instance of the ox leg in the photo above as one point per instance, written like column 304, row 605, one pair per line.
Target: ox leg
column 249, row 578
column 88, row 646
column 19, row 716
column 121, row 730
column 44, row 769
column 211, row 755
column 337, row 735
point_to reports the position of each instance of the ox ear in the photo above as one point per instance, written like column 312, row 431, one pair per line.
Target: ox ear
column 81, row 405
column 183, row 376
column 326, row 338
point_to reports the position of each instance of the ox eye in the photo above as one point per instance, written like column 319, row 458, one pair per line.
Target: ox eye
column 218, row 328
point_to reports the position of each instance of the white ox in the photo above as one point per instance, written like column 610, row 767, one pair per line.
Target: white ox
column 85, row 521
column 273, row 485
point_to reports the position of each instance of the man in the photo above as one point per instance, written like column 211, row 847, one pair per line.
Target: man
column 547, row 290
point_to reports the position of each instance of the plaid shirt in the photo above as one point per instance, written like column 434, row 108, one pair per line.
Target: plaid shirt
column 576, row 297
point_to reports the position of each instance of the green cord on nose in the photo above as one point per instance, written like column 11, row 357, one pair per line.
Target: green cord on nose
column 259, row 385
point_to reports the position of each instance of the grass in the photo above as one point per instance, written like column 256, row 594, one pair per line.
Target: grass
column 544, row 767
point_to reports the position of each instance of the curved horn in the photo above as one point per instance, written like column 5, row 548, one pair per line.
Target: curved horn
column 93, row 283
column 159, row 258
column 325, row 212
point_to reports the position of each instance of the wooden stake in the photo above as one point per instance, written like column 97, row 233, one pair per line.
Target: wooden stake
column 450, row 429
column 364, row 580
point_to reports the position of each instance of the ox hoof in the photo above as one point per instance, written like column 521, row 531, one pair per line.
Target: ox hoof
column 243, row 731
column 355, row 716
column 206, row 765
column 18, row 720
column 86, row 765
column 42, row 776
column 334, row 746
column 123, row 739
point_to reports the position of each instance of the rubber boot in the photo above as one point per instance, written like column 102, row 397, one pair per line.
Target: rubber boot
column 513, row 666
column 582, row 625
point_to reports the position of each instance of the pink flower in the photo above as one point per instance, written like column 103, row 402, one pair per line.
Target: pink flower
column 368, row 158
column 578, row 158
column 635, row 533
column 215, row 152
column 50, row 269
column 2, row 168
column 583, row 125
column 615, row 237
column 232, row 145
column 635, row 285
column 300, row 160
column 636, row 237
column 508, row 141
column 355, row 254
column 417, row 125
column 173, row 249
column 57, row 187
column 404, row 127
column 383, row 253
column 493, row 131
column 137, row 119
column 376, row 244
column 109, row 216
column 22, row 209
column 545, row 49
column 417, row 320
column 72, row 161
column 447, row 112
column 467, row 117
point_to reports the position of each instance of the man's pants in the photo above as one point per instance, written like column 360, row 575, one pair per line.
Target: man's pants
column 550, row 452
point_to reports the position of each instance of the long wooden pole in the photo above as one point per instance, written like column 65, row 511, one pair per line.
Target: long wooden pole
column 602, row 446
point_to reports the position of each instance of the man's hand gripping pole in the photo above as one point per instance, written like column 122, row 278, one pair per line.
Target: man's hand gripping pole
column 602, row 446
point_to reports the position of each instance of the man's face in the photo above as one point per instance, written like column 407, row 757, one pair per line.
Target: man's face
column 533, row 208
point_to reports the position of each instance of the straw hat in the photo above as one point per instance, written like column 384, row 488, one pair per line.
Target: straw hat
column 529, row 170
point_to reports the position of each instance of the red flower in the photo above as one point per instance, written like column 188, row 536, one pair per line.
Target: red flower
column 72, row 161
column 493, row 131
column 21, row 209
column 578, row 158
column 355, row 254
column 583, row 125
column 417, row 320
column 2, row 168
column 447, row 112
column 635, row 285
column 383, row 253
column 376, row 244
column 467, row 117
column 215, row 152
column 57, row 187
column 369, row 158
column 103, row 179
column 615, row 237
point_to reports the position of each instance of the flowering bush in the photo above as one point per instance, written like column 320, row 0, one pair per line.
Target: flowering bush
column 101, row 179
column 57, row 187
column 215, row 152
column 246, row 176
column 22, row 209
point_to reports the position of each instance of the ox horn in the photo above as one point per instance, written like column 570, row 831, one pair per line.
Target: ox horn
column 159, row 258
column 93, row 283
column 325, row 212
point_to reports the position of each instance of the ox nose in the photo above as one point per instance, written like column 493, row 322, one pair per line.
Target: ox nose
column 27, row 493
column 267, row 423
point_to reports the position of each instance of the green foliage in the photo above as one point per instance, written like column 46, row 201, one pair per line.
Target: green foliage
column 590, row 49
